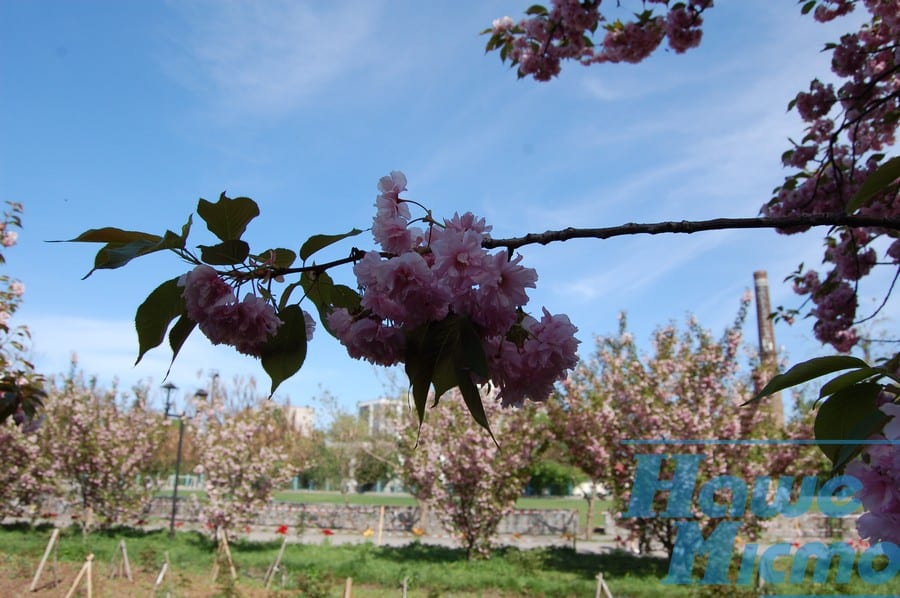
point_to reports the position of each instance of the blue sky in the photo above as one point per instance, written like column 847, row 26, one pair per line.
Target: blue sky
column 125, row 113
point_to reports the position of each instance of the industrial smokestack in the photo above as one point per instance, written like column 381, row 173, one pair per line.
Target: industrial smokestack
column 768, row 354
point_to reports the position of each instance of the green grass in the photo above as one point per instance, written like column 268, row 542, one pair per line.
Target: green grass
column 379, row 571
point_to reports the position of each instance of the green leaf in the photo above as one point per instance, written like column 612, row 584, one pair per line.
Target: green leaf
column 153, row 316
column 177, row 335
column 112, row 235
column 869, row 424
column 839, row 417
column 444, row 355
column 317, row 242
column 473, row 358
column 445, row 373
column 286, row 294
column 226, row 253
column 848, row 379
column 280, row 258
column 122, row 246
column 808, row 7
column 186, row 229
column 284, row 353
column 419, row 365
column 806, row 371
column 228, row 218
column 318, row 287
column 537, row 9
column 473, row 401
column 344, row 296
column 883, row 177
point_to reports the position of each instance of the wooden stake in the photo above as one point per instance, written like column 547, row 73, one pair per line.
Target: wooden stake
column 602, row 587
column 54, row 542
column 348, row 588
column 228, row 554
column 123, row 567
column 271, row 572
column 86, row 568
column 223, row 548
column 405, row 583
column 380, row 525
column 162, row 574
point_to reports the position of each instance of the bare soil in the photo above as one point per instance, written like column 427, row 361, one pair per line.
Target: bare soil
column 16, row 574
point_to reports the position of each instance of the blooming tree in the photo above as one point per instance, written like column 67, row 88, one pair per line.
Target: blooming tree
column 241, row 471
column 463, row 476
column 689, row 388
column 101, row 445
column 21, row 389
column 26, row 479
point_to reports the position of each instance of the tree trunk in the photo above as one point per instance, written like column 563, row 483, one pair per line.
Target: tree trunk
column 589, row 526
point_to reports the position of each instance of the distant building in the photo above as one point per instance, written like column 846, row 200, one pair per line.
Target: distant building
column 301, row 419
column 382, row 416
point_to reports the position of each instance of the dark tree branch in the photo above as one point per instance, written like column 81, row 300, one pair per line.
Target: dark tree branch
column 687, row 226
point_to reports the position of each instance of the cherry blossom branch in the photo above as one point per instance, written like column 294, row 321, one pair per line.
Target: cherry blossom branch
column 692, row 226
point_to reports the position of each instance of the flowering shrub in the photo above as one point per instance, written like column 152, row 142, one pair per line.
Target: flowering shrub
column 25, row 477
column 101, row 449
column 240, row 473
column 689, row 387
column 463, row 476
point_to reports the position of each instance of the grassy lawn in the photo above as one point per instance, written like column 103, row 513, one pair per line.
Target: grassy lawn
column 321, row 569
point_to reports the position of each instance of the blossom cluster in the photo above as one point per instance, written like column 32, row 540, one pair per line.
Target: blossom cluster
column 879, row 472
column 538, row 44
column 848, row 127
column 246, row 325
column 426, row 274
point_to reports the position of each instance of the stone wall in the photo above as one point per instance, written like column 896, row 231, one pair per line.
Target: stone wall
column 358, row 518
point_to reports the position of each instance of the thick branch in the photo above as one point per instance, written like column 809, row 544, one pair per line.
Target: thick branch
column 687, row 226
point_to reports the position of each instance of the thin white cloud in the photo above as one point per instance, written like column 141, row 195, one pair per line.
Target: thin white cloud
column 268, row 57
column 643, row 266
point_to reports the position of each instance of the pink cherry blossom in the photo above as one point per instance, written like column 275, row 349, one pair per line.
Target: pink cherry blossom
column 427, row 276
column 210, row 302
column 204, row 290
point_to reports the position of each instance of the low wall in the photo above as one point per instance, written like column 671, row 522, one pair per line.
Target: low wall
column 358, row 518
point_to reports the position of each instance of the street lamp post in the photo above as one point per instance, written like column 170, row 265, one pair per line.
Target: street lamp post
column 169, row 388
